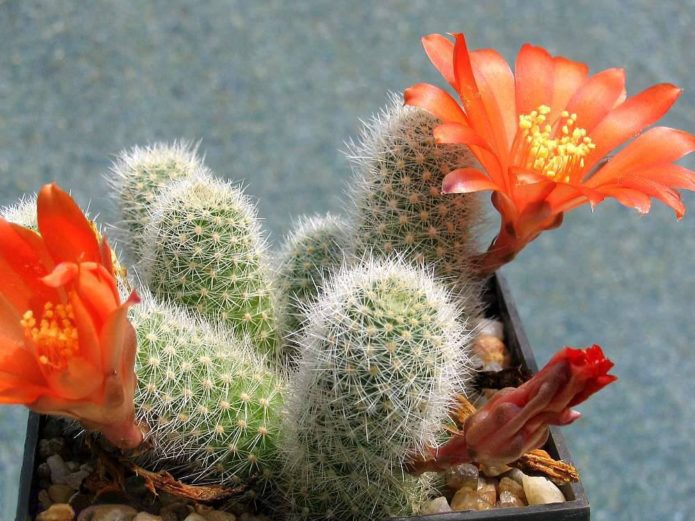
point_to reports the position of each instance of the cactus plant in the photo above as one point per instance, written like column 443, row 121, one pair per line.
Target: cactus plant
column 314, row 249
column 23, row 212
column 398, row 204
column 206, row 251
column 211, row 403
column 383, row 353
column 139, row 175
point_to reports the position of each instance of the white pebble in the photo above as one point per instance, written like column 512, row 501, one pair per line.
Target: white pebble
column 438, row 505
column 489, row 326
column 541, row 491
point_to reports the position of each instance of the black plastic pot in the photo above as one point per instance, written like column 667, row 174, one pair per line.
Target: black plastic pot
column 501, row 305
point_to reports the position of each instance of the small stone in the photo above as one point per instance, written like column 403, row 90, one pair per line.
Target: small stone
column 144, row 516
column 465, row 499
column 218, row 515
column 72, row 465
column 44, row 498
column 53, row 428
column 44, row 449
column 494, row 470
column 58, row 469
column 463, row 475
column 108, row 513
column 541, row 491
column 75, row 479
column 438, row 505
column 194, row 517
column 81, row 501
column 57, row 512
column 43, row 470
column 516, row 475
column 513, row 487
column 174, row 511
column 87, row 467
column 509, row 500
column 56, row 445
column 491, row 350
column 491, row 327
column 60, row 493
column 487, row 491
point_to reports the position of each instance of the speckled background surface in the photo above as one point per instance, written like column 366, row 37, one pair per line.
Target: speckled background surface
column 273, row 88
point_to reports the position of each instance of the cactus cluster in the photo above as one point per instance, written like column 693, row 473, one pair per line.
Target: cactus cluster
column 213, row 405
column 206, row 252
column 315, row 248
column 139, row 175
column 366, row 347
column 383, row 352
column 398, row 204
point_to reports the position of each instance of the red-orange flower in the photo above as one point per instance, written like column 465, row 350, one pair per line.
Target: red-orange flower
column 540, row 135
column 516, row 420
column 66, row 346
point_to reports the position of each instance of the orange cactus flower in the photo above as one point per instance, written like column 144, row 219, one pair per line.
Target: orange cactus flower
column 541, row 134
column 66, row 346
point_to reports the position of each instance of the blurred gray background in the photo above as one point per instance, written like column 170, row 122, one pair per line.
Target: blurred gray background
column 273, row 88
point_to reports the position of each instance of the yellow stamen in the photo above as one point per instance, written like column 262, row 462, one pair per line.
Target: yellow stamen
column 54, row 334
column 554, row 154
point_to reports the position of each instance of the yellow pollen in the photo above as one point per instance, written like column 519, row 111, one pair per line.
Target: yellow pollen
column 54, row 334
column 554, row 153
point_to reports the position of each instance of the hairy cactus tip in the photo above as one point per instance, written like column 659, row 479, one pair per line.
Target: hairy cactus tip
column 398, row 201
column 384, row 352
column 212, row 403
column 314, row 249
column 207, row 252
column 139, row 175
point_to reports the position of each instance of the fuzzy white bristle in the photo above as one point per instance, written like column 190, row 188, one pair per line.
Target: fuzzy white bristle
column 384, row 351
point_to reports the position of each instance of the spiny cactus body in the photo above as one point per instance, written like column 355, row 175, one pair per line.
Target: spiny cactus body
column 23, row 212
column 398, row 204
column 139, row 175
column 382, row 356
column 314, row 249
column 211, row 403
column 206, row 251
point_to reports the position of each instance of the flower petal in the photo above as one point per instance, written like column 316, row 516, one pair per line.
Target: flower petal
column 467, row 180
column 87, row 334
column 628, row 197
column 596, row 97
column 79, row 381
column 568, row 76
column 471, row 97
column 455, row 133
column 436, row 101
column 534, row 71
column 656, row 146
column 496, row 84
column 23, row 262
column 16, row 361
column 65, row 230
column 630, row 118
column 440, row 51
column 659, row 191
column 673, row 176
column 115, row 339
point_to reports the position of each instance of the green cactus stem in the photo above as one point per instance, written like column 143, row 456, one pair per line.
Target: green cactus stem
column 383, row 353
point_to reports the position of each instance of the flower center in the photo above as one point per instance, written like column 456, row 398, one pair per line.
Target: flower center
column 554, row 153
column 54, row 334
